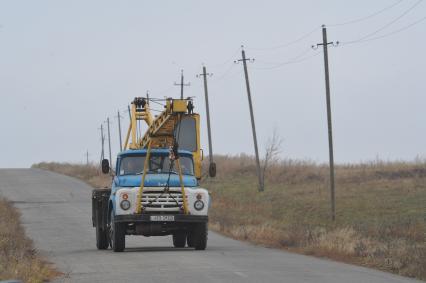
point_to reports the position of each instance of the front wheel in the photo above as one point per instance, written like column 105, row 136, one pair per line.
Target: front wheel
column 190, row 240
column 199, row 235
column 117, row 235
column 179, row 240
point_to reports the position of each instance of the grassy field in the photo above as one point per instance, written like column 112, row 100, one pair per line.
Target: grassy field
column 18, row 258
column 380, row 220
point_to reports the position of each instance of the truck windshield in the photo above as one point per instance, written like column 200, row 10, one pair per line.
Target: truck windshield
column 134, row 165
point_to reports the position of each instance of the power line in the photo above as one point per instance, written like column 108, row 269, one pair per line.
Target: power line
column 366, row 17
column 227, row 61
column 304, row 36
column 164, row 90
column 288, row 62
column 156, row 102
column 155, row 110
column 157, row 99
column 288, row 43
column 387, row 34
column 222, row 76
column 225, row 78
column 291, row 59
column 412, row 7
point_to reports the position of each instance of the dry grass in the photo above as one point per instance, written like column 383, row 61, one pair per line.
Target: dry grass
column 90, row 174
column 18, row 258
column 381, row 209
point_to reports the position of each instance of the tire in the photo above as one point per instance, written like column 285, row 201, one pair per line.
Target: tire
column 190, row 240
column 179, row 240
column 101, row 239
column 199, row 236
column 117, row 235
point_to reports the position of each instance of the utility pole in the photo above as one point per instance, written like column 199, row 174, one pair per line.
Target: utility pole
column 244, row 60
column 102, row 142
column 212, row 166
column 182, row 84
column 130, row 113
column 109, row 141
column 325, row 44
column 87, row 158
column 119, row 129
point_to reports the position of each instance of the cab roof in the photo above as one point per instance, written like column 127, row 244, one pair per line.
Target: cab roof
column 158, row 151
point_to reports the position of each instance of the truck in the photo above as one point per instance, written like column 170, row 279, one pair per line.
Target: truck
column 155, row 182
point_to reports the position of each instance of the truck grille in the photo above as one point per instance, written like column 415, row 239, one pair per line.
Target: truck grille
column 156, row 200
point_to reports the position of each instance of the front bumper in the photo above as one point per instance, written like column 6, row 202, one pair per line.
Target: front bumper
column 146, row 218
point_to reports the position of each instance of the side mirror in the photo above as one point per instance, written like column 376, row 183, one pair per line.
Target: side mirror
column 212, row 170
column 105, row 166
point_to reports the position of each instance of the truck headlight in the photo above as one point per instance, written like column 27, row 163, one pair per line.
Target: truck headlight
column 199, row 205
column 125, row 204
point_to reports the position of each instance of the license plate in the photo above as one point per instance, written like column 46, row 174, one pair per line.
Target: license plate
column 162, row 218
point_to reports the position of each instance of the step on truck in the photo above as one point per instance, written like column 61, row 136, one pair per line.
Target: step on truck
column 155, row 187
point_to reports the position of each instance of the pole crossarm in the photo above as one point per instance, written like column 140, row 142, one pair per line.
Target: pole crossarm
column 182, row 84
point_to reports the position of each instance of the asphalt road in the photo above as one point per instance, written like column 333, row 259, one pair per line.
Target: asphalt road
column 56, row 213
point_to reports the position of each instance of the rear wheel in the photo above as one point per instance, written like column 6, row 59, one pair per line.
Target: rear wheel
column 101, row 234
column 179, row 240
column 190, row 240
column 101, row 239
column 199, row 236
column 117, row 235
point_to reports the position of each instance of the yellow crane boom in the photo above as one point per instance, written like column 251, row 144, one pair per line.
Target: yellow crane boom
column 176, row 123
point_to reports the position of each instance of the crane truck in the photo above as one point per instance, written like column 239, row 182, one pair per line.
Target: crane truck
column 155, row 187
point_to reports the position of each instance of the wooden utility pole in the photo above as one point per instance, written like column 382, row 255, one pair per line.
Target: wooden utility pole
column 87, row 158
column 119, row 129
column 109, row 142
column 212, row 166
column 253, row 127
column 325, row 44
column 182, row 84
column 102, row 142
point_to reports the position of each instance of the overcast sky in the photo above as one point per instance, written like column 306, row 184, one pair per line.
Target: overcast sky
column 67, row 65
